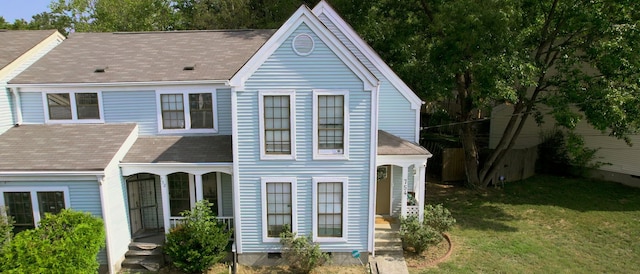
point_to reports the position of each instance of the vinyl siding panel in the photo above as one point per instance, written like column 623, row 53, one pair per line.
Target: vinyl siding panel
column 322, row 69
column 132, row 106
column 83, row 196
column 226, row 186
column 32, row 108
column 396, row 186
column 223, row 97
column 394, row 110
column 6, row 109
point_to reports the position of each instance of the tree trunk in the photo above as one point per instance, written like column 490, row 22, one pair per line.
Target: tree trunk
column 471, row 158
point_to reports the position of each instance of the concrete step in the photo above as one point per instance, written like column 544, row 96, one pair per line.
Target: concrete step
column 142, row 262
column 139, row 252
column 143, row 246
column 386, row 234
column 388, row 249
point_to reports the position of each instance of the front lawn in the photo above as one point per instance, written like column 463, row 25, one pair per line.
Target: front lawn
column 542, row 225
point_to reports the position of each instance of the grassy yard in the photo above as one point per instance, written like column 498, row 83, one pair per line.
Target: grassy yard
column 542, row 225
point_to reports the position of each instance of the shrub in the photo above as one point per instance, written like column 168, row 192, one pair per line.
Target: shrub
column 199, row 241
column 300, row 252
column 67, row 242
column 563, row 154
column 421, row 235
column 438, row 217
column 6, row 228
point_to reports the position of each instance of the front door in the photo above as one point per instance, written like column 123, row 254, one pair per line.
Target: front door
column 135, row 214
column 383, row 194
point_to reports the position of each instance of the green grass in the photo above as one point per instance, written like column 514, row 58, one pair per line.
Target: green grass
column 543, row 225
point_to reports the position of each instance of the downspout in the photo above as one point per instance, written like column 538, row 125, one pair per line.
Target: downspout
column 17, row 105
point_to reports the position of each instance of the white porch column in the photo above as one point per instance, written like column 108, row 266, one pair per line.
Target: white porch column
column 422, row 190
column 199, row 195
column 405, row 189
column 166, row 212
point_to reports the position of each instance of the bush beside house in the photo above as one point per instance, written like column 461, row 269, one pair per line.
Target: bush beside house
column 421, row 235
column 67, row 242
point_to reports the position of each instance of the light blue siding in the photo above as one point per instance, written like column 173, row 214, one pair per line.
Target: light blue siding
column 132, row 107
column 396, row 186
column 226, row 186
column 322, row 69
column 394, row 111
column 224, row 111
column 6, row 109
column 32, row 109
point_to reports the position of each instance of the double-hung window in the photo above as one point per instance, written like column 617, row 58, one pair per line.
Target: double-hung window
column 187, row 111
column 27, row 206
column 330, row 124
column 277, row 124
column 278, row 207
column 75, row 107
column 329, row 209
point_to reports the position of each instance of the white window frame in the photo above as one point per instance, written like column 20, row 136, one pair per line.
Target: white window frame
column 187, row 112
column 294, row 205
column 292, row 120
column 325, row 154
column 35, row 206
column 345, row 207
column 74, row 109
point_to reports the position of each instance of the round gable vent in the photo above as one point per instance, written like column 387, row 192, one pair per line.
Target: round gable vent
column 303, row 44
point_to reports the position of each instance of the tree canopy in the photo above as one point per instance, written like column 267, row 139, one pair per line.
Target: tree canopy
column 577, row 57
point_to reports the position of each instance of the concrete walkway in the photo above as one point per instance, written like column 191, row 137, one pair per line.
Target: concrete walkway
column 389, row 257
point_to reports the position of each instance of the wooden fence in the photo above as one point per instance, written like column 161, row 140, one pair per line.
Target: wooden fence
column 518, row 164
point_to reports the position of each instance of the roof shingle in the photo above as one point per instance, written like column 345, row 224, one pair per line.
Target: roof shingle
column 15, row 43
column 389, row 144
column 146, row 57
column 181, row 149
column 78, row 147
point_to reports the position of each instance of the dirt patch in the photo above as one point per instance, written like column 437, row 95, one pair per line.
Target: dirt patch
column 285, row 269
column 430, row 257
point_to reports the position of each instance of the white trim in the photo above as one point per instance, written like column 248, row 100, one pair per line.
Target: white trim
column 331, row 155
column 345, row 207
column 324, row 8
column 74, row 109
column 168, row 168
column 417, row 132
column 219, row 192
column 195, row 189
column 373, row 178
column 120, row 84
column 292, row 124
column 390, row 190
column 402, row 160
column 294, row 204
column 185, row 91
column 33, row 192
column 105, row 217
column 304, row 15
column 237, row 217
column 50, row 173
column 166, row 207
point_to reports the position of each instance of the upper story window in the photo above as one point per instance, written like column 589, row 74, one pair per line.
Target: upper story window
column 187, row 112
column 277, row 125
column 330, row 124
column 75, row 107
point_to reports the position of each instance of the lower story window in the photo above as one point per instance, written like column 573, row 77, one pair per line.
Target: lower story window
column 27, row 208
column 179, row 193
column 278, row 208
column 330, row 209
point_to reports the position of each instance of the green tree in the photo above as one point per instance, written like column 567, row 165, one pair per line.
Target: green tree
column 132, row 15
column 578, row 57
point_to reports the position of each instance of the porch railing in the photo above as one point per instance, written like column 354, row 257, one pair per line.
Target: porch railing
column 227, row 221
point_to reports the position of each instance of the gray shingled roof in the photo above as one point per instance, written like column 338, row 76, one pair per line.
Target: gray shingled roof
column 79, row 147
column 181, row 149
column 14, row 43
column 146, row 57
column 389, row 144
